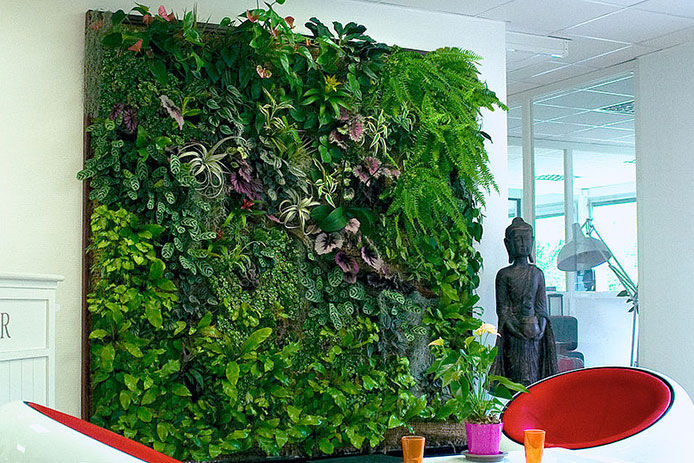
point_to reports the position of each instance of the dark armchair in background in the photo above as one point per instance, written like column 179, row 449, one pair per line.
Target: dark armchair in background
column 566, row 335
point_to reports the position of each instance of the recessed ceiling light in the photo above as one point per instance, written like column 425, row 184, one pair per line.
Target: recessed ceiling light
column 621, row 108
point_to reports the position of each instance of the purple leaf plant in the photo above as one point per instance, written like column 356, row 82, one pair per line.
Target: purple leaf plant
column 328, row 242
column 173, row 110
column 242, row 181
column 348, row 265
column 129, row 116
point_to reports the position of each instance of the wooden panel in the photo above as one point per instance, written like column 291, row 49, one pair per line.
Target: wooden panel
column 24, row 379
column 40, row 393
column 27, row 338
column 15, row 380
column 27, row 381
column 4, row 382
column 23, row 324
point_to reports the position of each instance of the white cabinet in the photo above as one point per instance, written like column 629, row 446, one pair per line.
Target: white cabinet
column 27, row 337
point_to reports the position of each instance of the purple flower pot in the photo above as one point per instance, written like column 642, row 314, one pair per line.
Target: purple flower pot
column 483, row 439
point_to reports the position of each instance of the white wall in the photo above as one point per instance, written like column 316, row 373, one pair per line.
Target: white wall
column 665, row 196
column 41, row 51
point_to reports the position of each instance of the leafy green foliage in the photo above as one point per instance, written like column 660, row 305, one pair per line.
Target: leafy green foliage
column 282, row 224
column 475, row 394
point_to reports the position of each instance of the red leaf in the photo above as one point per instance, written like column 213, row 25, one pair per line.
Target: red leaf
column 251, row 17
column 136, row 46
column 147, row 19
column 290, row 21
column 166, row 16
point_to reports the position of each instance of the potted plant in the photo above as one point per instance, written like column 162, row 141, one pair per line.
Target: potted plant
column 474, row 394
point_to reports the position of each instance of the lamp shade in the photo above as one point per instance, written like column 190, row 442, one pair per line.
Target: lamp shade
column 582, row 252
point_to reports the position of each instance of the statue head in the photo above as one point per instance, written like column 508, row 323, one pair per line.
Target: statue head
column 519, row 240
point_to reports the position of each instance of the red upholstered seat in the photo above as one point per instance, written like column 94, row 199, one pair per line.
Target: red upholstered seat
column 589, row 407
column 105, row 436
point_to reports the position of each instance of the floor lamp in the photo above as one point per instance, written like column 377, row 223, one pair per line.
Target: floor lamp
column 584, row 252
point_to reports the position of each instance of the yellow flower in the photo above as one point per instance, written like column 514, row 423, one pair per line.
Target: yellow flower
column 486, row 328
column 331, row 84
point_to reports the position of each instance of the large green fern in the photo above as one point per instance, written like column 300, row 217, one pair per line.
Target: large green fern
column 441, row 93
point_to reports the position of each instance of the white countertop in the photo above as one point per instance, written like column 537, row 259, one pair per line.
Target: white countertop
column 553, row 455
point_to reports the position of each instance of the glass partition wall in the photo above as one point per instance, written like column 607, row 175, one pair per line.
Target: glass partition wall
column 575, row 164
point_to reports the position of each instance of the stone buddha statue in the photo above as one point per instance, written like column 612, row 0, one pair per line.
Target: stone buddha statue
column 527, row 352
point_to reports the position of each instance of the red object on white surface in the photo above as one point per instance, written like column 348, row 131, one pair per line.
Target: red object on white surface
column 38, row 434
column 628, row 413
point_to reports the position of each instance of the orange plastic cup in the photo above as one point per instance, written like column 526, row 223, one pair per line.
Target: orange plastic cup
column 534, row 443
column 412, row 449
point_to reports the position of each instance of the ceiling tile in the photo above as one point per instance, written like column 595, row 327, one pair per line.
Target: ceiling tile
column 586, row 99
column 617, row 2
column 619, row 56
column 556, row 128
column 538, row 17
column 670, row 40
column 561, row 73
column 518, row 56
column 602, row 133
column 577, row 138
column 466, row 7
column 543, row 112
column 630, row 25
column 673, row 7
column 582, row 48
column 622, row 86
column 596, row 118
column 627, row 125
column 516, row 60
column 629, row 139
column 514, row 87
column 527, row 72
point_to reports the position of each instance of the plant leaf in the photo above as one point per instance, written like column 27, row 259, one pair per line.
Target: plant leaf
column 255, row 339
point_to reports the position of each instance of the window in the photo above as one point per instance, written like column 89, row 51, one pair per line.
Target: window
column 581, row 167
column 514, row 208
column 549, row 214
column 616, row 223
column 549, row 238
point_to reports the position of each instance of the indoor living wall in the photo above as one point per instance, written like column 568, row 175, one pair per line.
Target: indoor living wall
column 280, row 225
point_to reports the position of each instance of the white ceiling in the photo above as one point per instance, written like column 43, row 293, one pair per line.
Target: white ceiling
column 582, row 115
column 602, row 33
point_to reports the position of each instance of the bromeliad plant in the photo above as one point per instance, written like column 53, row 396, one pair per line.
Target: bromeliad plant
column 475, row 394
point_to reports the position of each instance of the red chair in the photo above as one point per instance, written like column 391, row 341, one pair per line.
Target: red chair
column 628, row 413
column 33, row 433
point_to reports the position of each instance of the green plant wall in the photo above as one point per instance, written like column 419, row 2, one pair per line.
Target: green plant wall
column 281, row 225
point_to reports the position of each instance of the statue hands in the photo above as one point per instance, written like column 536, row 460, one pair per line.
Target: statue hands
column 513, row 329
column 543, row 324
column 516, row 330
